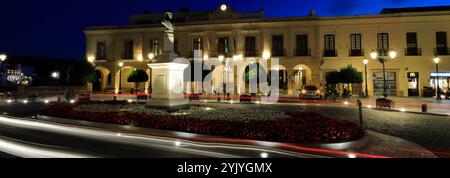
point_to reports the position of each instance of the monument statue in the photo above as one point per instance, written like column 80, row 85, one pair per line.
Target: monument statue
column 167, row 73
column 167, row 22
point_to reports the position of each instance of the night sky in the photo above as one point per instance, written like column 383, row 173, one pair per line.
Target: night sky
column 54, row 28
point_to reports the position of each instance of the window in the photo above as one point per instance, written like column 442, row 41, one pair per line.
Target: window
column 154, row 47
column 355, row 45
column 383, row 42
column 223, row 46
column 411, row 45
column 250, row 46
column 197, row 44
column 101, row 50
column 277, row 45
column 128, row 52
column 329, row 46
column 441, row 43
column 302, row 45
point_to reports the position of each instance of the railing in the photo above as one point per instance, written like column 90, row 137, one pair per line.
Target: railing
column 278, row 52
column 302, row 52
column 356, row 52
column 127, row 56
column 100, row 56
column 251, row 53
column 413, row 51
column 329, row 53
column 441, row 51
column 383, row 52
column 245, row 15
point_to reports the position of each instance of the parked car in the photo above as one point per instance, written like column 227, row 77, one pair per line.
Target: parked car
column 310, row 92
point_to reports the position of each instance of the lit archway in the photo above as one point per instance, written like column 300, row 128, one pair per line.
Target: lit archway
column 122, row 79
column 101, row 81
column 282, row 76
column 301, row 76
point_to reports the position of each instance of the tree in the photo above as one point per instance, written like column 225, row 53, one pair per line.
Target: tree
column 350, row 75
column 137, row 76
column 333, row 78
column 81, row 73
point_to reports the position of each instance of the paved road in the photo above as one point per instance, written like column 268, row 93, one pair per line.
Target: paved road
column 428, row 131
column 32, row 138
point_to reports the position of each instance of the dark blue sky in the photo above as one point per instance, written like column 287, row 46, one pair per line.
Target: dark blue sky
column 54, row 28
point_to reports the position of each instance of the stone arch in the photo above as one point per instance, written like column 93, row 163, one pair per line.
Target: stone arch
column 301, row 75
column 102, row 79
column 125, row 86
column 283, row 77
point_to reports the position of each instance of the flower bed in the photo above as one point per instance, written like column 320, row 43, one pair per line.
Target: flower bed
column 289, row 127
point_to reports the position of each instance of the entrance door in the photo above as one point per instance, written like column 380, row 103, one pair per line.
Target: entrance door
column 391, row 83
column 413, row 83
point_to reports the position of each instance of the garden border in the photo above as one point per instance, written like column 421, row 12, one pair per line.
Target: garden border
column 191, row 136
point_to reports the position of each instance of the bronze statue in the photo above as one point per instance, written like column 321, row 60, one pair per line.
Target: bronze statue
column 167, row 22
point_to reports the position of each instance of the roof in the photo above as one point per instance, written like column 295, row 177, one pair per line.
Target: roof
column 414, row 9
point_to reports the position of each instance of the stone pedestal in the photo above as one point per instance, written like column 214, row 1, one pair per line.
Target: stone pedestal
column 167, row 82
column 167, row 77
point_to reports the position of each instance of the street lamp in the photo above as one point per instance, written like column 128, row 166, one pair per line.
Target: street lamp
column 91, row 59
column 120, row 77
column 366, row 61
column 437, row 60
column 382, row 59
column 151, row 56
column 266, row 55
column 55, row 75
column 2, row 59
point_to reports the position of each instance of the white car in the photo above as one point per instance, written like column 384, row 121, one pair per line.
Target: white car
column 310, row 92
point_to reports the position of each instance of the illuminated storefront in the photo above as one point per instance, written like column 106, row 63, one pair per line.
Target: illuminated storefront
column 443, row 80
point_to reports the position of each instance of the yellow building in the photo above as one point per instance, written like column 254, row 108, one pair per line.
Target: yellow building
column 307, row 47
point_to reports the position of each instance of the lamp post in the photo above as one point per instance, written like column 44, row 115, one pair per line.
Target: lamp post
column 366, row 61
column 120, row 77
column 437, row 60
column 2, row 59
column 55, row 75
column 382, row 59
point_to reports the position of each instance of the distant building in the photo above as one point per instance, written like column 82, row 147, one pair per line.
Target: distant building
column 308, row 47
column 17, row 75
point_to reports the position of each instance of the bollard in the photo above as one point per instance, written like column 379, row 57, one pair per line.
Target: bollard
column 424, row 108
column 114, row 98
column 360, row 112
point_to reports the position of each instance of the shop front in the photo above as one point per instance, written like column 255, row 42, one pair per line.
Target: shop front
column 413, row 83
column 378, row 85
column 441, row 79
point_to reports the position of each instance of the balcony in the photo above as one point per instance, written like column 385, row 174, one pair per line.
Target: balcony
column 329, row 53
column 413, row 51
column 278, row 52
column 100, row 56
column 302, row 52
column 251, row 53
column 127, row 56
column 356, row 52
column 442, row 51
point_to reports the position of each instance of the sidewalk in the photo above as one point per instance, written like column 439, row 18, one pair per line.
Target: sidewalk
column 411, row 104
